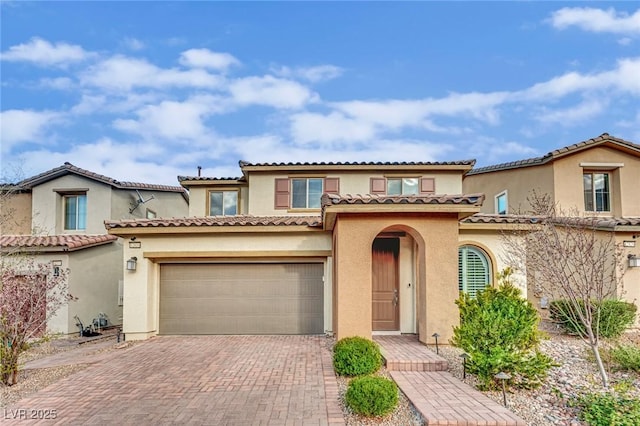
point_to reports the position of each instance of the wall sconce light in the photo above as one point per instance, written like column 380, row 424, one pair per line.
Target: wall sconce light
column 132, row 264
column 634, row 261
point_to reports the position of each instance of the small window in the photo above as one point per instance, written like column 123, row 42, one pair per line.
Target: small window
column 502, row 203
column 306, row 193
column 223, row 203
column 75, row 212
column 404, row 186
column 474, row 271
column 597, row 195
column 151, row 214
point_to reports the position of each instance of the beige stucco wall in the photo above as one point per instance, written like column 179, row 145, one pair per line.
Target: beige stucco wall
column 262, row 186
column 95, row 273
column 517, row 182
column 407, row 285
column 437, row 269
column 141, row 288
column 630, row 288
column 15, row 213
column 48, row 208
column 624, row 181
column 164, row 204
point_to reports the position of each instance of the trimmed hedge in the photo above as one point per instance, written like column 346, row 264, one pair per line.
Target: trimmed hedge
column 615, row 316
column 356, row 356
column 372, row 396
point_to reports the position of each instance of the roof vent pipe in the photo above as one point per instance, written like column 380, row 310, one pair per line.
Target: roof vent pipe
column 199, row 171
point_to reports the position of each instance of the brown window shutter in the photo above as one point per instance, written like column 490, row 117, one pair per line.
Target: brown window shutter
column 427, row 186
column 378, row 186
column 282, row 194
column 332, row 185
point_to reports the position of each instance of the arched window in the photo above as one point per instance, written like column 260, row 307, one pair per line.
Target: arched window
column 474, row 270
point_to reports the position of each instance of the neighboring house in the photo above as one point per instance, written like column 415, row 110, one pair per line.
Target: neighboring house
column 58, row 216
column 599, row 177
column 267, row 253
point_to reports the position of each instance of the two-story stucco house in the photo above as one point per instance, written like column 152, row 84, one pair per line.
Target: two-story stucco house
column 268, row 253
column 58, row 217
column 599, row 177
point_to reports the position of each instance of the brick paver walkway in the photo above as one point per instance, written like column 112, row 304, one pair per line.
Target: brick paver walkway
column 203, row 380
column 437, row 395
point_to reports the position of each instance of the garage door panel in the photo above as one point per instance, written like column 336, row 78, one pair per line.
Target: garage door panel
column 241, row 299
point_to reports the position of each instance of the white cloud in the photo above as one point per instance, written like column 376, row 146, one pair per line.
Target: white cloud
column 205, row 58
column 133, row 43
column 573, row 115
column 23, row 126
column 58, row 83
column 170, row 120
column 308, row 127
column 625, row 41
column 271, row 91
column 312, row 74
column 125, row 73
column 43, row 53
column 597, row 20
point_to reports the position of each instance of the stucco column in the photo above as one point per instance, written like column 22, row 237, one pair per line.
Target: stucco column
column 137, row 313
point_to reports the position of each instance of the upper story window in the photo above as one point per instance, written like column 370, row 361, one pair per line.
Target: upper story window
column 597, row 194
column 223, row 203
column 306, row 193
column 151, row 214
column 303, row 193
column 75, row 212
column 403, row 186
column 502, row 203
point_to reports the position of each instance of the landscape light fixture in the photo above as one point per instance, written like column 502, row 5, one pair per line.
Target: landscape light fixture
column 436, row 335
column 502, row 376
column 465, row 356
column 132, row 264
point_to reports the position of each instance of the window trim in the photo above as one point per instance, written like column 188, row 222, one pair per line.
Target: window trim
column 592, row 173
column 208, row 200
column 504, row 193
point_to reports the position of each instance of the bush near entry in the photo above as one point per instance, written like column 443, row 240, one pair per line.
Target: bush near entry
column 356, row 356
column 372, row 396
column 610, row 318
column 499, row 329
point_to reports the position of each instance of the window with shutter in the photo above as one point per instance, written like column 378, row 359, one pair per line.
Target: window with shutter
column 474, row 272
column 282, row 194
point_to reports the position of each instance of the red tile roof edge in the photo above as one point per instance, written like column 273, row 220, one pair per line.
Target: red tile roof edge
column 240, row 220
column 70, row 242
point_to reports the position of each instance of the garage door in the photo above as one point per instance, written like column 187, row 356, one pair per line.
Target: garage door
column 241, row 298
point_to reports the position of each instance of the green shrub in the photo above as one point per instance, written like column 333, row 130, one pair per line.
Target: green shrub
column 372, row 396
column 499, row 329
column 610, row 318
column 626, row 357
column 609, row 409
column 356, row 356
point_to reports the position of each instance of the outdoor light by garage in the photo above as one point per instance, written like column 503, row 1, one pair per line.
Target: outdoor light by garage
column 634, row 261
column 132, row 264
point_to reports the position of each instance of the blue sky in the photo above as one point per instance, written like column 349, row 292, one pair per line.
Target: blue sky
column 146, row 91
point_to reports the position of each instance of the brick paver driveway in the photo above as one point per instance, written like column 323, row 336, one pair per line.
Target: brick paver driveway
column 213, row 380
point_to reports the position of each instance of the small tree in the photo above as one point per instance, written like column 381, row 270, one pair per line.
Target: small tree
column 499, row 329
column 573, row 258
column 30, row 294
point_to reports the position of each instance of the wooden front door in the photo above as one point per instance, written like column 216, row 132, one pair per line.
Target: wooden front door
column 385, row 298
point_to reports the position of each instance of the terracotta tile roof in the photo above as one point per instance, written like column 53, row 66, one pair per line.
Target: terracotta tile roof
column 364, row 163
column 605, row 137
column 67, row 168
column 240, row 220
column 471, row 199
column 495, row 218
column 54, row 242
column 206, row 178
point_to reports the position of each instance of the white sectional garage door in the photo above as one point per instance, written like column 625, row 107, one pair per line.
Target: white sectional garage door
column 241, row 298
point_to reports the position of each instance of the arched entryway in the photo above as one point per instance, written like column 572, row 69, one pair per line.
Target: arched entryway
column 394, row 281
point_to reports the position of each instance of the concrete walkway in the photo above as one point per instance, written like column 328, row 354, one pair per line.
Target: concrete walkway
column 88, row 353
column 199, row 380
column 437, row 395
